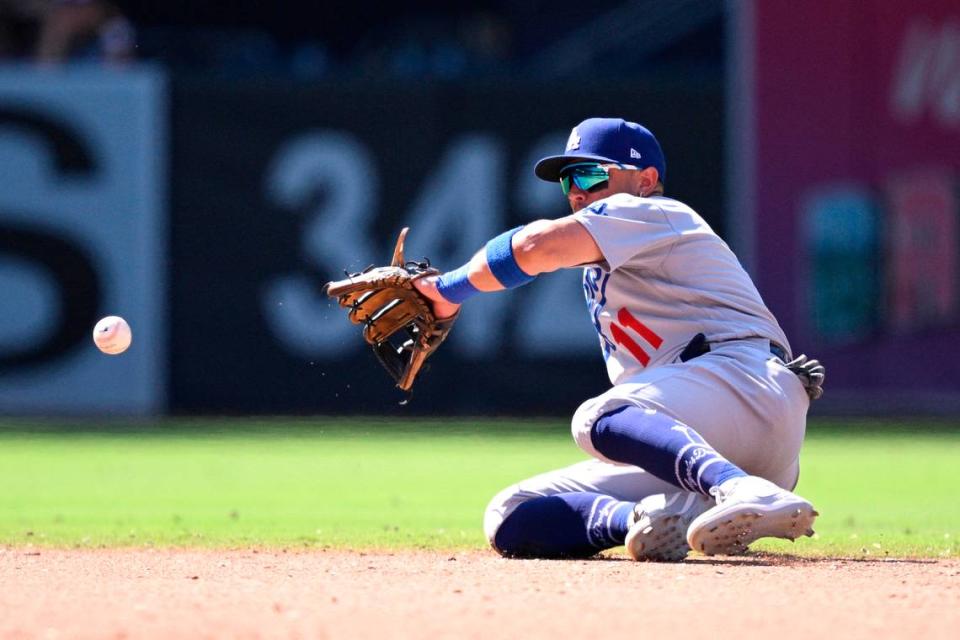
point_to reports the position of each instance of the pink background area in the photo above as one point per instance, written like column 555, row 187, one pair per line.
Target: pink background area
column 827, row 76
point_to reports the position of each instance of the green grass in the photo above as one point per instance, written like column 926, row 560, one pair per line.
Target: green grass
column 368, row 483
column 889, row 491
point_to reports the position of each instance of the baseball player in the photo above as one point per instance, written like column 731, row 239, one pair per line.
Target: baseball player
column 696, row 444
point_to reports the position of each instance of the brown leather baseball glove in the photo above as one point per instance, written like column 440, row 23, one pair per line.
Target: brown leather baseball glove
column 398, row 321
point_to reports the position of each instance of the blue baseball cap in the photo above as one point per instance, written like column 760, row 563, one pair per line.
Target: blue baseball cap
column 606, row 140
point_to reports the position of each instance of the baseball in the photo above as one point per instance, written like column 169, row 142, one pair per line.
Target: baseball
column 112, row 335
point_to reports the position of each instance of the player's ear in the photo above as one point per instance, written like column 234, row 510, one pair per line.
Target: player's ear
column 647, row 180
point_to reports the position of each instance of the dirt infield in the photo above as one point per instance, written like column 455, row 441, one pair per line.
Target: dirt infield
column 326, row 594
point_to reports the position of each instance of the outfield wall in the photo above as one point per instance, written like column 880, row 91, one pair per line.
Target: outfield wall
column 849, row 135
column 210, row 211
column 240, row 199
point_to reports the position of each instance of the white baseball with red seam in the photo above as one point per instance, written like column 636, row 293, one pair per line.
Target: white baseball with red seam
column 112, row 335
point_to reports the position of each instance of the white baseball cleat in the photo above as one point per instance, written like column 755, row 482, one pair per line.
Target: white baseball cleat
column 660, row 525
column 749, row 508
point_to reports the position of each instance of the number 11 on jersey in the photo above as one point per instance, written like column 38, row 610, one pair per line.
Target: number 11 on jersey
column 621, row 337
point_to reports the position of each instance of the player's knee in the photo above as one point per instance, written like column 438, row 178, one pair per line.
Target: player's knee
column 501, row 506
column 543, row 527
column 581, row 425
column 508, row 538
column 630, row 432
column 587, row 420
column 607, row 428
column 511, row 526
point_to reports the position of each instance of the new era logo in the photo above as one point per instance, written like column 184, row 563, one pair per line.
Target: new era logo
column 573, row 142
column 634, row 153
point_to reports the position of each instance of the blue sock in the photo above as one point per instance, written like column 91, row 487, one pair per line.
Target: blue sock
column 668, row 449
column 566, row 525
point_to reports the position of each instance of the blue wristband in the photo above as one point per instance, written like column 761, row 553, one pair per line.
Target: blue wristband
column 502, row 262
column 455, row 286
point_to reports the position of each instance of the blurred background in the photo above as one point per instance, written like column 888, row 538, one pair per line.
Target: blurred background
column 203, row 170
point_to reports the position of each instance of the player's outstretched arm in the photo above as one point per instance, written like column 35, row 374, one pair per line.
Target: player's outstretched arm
column 510, row 260
column 547, row 245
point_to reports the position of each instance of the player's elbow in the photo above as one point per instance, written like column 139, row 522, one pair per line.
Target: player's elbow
column 548, row 245
column 536, row 249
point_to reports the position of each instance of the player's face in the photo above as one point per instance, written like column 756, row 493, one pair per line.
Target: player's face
column 584, row 183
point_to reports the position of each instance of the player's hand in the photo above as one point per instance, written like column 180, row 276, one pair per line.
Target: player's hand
column 811, row 374
column 442, row 307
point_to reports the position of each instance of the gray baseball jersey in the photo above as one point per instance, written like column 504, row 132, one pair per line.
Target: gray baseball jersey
column 666, row 277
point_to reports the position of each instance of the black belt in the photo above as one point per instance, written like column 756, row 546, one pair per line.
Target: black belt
column 778, row 351
column 699, row 346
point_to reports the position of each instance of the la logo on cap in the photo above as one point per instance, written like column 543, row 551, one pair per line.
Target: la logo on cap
column 573, row 142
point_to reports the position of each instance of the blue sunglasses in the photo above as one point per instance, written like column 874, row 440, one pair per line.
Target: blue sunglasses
column 587, row 176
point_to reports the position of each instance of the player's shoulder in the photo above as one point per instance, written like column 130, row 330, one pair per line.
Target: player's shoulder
column 625, row 205
column 682, row 216
column 621, row 205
